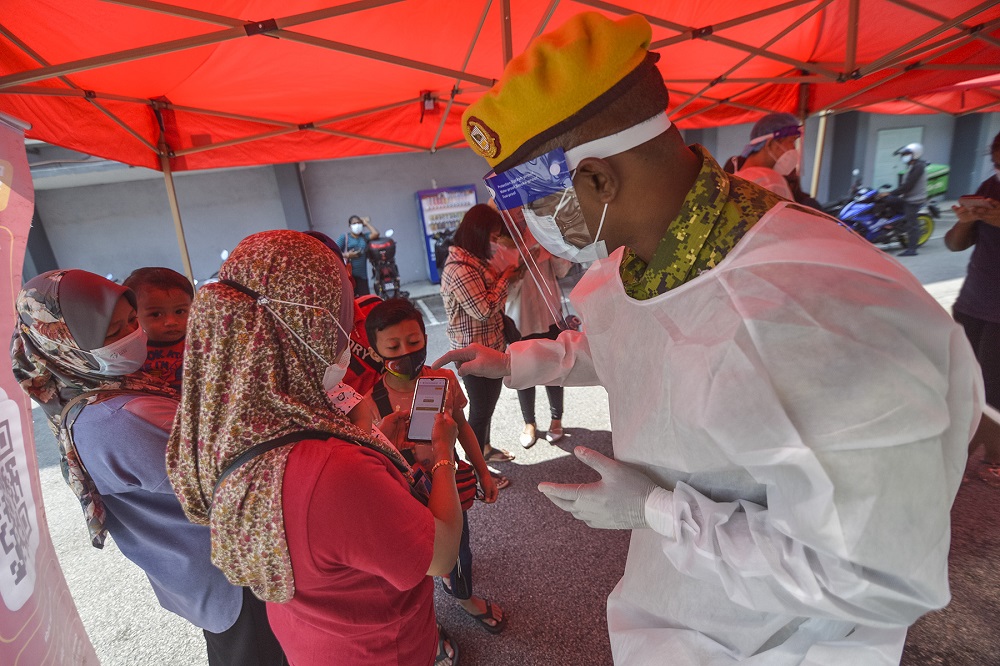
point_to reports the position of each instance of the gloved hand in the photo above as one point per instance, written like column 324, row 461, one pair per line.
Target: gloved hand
column 477, row 359
column 616, row 502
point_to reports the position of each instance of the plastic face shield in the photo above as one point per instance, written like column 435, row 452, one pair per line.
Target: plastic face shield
column 537, row 200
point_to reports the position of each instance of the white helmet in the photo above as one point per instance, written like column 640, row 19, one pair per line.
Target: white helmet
column 915, row 149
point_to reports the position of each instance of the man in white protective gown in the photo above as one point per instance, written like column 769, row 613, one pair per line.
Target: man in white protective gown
column 790, row 410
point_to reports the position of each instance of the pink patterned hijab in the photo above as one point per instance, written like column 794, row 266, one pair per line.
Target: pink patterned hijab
column 249, row 377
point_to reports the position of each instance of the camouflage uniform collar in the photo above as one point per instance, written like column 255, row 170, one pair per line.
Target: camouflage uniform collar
column 674, row 261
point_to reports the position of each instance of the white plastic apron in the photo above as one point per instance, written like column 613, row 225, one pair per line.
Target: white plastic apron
column 814, row 378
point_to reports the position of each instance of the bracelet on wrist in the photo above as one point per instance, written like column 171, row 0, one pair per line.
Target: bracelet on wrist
column 444, row 463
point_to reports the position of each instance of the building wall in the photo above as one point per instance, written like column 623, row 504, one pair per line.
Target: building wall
column 117, row 227
column 383, row 188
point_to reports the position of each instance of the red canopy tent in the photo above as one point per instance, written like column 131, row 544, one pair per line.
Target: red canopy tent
column 193, row 84
column 241, row 82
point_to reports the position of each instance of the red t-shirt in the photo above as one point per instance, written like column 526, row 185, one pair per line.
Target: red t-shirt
column 165, row 361
column 360, row 547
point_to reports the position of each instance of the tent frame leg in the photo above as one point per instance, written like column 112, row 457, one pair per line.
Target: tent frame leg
column 175, row 212
column 818, row 153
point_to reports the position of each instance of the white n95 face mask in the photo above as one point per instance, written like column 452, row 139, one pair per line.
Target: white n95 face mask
column 356, row 229
column 336, row 371
column 787, row 162
column 123, row 356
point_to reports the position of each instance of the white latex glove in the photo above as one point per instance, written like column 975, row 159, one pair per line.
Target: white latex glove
column 616, row 502
column 477, row 359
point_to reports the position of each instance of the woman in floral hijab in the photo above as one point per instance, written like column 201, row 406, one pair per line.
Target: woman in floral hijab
column 323, row 525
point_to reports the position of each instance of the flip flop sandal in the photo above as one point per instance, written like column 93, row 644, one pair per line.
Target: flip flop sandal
column 482, row 618
column 498, row 455
column 442, row 655
column 501, row 481
column 991, row 475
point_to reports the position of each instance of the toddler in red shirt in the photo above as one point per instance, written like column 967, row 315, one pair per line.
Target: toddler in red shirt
column 163, row 300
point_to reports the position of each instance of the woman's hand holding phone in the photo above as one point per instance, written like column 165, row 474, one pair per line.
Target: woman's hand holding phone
column 443, row 437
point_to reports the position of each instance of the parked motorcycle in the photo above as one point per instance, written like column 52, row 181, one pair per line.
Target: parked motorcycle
column 879, row 221
column 834, row 207
column 385, row 273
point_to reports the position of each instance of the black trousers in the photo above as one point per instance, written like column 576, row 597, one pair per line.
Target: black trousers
column 483, row 395
column 361, row 286
column 911, row 223
column 526, row 397
column 249, row 642
column 984, row 336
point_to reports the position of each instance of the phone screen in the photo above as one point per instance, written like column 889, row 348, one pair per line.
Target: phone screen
column 428, row 401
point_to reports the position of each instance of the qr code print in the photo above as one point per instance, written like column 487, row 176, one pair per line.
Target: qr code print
column 15, row 528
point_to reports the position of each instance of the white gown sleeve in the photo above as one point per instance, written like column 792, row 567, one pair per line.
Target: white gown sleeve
column 860, row 463
column 565, row 361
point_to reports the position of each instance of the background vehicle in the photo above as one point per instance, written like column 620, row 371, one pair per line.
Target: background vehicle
column 882, row 222
column 385, row 273
column 834, row 207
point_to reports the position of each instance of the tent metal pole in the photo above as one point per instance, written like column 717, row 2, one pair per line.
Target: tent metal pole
column 175, row 212
column 818, row 157
column 850, row 59
column 505, row 36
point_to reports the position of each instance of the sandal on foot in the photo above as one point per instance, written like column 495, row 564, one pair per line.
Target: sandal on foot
column 443, row 658
column 482, row 618
column 990, row 475
column 501, row 481
column 498, row 455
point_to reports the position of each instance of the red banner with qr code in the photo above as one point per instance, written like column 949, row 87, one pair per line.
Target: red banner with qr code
column 38, row 620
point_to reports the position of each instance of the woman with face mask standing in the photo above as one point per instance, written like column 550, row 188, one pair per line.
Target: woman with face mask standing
column 322, row 520
column 474, row 298
column 77, row 351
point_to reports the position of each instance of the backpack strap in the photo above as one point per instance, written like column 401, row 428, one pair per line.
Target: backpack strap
column 380, row 396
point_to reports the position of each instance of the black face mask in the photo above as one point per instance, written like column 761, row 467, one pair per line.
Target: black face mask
column 407, row 366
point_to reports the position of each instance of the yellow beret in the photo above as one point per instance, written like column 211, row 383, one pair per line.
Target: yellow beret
column 559, row 74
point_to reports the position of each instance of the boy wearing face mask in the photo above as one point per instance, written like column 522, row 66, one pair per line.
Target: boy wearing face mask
column 396, row 332
column 354, row 246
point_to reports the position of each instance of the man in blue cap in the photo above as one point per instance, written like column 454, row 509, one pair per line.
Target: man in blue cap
column 771, row 159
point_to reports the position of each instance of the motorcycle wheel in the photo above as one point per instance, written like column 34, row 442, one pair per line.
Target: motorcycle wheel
column 926, row 223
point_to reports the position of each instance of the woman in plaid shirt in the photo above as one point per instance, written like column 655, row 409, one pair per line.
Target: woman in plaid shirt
column 474, row 299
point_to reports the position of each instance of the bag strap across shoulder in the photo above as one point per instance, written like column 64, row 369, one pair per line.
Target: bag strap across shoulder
column 264, row 447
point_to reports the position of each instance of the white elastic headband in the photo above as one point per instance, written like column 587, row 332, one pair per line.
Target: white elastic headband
column 617, row 143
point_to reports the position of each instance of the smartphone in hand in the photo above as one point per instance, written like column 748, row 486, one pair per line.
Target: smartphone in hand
column 428, row 402
column 972, row 201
